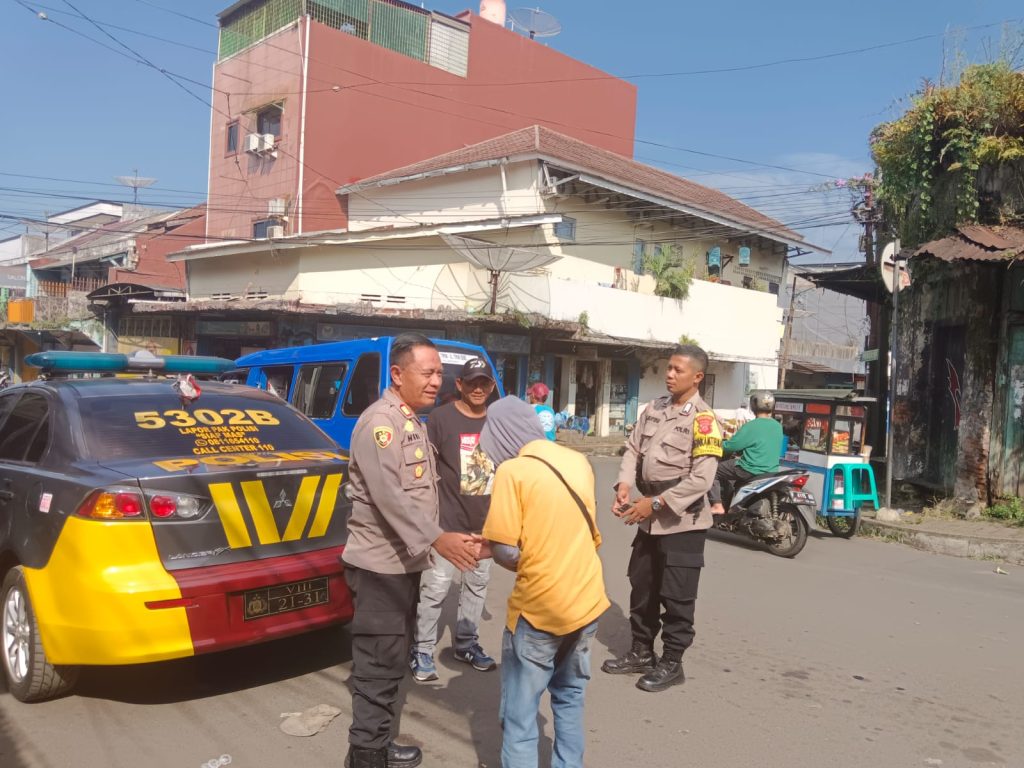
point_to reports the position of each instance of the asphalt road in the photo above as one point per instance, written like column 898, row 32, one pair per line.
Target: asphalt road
column 857, row 653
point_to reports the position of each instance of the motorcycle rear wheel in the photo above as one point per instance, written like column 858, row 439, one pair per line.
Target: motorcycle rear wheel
column 792, row 545
column 844, row 527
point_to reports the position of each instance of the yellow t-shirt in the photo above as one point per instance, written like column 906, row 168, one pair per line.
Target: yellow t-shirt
column 559, row 584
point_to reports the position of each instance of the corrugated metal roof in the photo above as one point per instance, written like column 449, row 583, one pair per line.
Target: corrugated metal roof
column 543, row 143
column 976, row 243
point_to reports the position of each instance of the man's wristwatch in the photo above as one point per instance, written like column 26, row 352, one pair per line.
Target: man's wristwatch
column 657, row 504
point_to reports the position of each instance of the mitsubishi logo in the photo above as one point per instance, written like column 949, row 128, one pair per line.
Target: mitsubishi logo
column 282, row 500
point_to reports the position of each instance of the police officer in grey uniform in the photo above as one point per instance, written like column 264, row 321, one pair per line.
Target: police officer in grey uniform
column 670, row 459
column 393, row 527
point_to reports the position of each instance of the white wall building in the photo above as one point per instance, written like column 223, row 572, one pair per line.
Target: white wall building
column 535, row 223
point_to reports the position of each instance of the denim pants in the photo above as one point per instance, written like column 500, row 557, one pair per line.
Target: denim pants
column 532, row 661
column 434, row 585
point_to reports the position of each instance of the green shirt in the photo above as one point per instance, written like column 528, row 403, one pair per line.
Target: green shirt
column 761, row 443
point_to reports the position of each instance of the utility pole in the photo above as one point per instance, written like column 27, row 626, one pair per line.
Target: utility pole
column 893, row 378
column 787, row 337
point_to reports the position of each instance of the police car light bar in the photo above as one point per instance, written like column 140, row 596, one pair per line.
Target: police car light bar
column 106, row 362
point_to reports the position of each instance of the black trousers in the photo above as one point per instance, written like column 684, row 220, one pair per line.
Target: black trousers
column 728, row 475
column 385, row 613
column 664, row 572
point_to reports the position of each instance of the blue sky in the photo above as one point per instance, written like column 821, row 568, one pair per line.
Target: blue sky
column 79, row 111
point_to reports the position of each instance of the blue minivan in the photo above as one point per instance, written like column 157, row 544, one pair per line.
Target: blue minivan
column 333, row 383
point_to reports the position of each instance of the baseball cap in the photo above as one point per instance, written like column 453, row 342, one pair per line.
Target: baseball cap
column 476, row 368
column 539, row 390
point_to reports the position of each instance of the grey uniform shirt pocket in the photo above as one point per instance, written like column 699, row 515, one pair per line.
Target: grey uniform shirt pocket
column 415, row 470
column 677, row 449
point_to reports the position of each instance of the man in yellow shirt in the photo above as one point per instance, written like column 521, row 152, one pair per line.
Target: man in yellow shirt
column 542, row 525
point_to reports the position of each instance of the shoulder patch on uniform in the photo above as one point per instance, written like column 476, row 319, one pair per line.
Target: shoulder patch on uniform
column 383, row 436
column 707, row 436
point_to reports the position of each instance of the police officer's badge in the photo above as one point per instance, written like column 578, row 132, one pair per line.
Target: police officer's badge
column 410, row 427
column 383, row 436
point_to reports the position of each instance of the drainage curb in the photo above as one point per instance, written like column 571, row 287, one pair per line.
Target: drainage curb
column 955, row 544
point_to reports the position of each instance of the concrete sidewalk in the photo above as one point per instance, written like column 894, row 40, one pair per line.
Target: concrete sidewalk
column 589, row 445
column 979, row 539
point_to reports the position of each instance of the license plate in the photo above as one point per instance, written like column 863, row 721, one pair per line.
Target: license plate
column 800, row 497
column 282, row 598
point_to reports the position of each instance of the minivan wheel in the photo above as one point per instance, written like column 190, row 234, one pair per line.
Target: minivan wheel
column 30, row 677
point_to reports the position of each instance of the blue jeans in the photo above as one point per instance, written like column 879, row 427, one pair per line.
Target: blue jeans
column 532, row 661
column 434, row 585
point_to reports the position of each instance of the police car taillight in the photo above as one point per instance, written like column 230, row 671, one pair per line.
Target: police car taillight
column 112, row 505
column 164, row 506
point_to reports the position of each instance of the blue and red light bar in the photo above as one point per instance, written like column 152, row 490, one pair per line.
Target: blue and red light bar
column 107, row 362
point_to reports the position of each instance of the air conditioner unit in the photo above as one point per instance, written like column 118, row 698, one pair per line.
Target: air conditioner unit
column 277, row 206
column 252, row 142
column 275, row 231
column 267, row 142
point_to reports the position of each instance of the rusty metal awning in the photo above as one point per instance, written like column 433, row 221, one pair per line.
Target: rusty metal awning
column 976, row 243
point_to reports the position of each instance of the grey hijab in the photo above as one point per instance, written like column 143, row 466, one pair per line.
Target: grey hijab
column 510, row 425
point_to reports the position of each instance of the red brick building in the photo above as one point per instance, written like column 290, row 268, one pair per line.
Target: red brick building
column 309, row 96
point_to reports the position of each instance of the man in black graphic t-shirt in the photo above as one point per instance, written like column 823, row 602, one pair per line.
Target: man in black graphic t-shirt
column 464, row 491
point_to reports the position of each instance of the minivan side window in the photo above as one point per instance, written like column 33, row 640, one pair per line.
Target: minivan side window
column 318, row 388
column 26, row 431
column 279, row 380
column 363, row 387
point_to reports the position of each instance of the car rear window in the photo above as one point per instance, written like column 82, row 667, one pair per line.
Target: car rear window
column 151, row 427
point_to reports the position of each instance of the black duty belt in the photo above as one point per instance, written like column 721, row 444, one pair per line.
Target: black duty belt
column 652, row 487
column 655, row 487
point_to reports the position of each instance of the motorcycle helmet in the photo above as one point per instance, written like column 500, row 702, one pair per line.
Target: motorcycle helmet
column 762, row 401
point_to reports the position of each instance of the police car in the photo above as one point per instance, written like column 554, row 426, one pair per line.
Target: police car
column 145, row 518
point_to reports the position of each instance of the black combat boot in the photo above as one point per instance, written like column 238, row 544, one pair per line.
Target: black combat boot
column 366, row 758
column 639, row 659
column 403, row 757
column 666, row 674
column 397, row 757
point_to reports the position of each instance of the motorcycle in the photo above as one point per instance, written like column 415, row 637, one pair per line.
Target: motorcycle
column 772, row 509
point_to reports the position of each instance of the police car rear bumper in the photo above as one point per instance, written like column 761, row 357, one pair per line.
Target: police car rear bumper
column 132, row 611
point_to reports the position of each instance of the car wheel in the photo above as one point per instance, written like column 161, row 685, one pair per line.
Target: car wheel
column 30, row 677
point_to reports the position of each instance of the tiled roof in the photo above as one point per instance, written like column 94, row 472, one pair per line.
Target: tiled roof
column 976, row 243
column 540, row 142
column 112, row 233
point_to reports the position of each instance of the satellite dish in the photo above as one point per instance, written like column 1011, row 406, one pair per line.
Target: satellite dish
column 534, row 22
column 498, row 258
column 888, row 267
column 136, row 183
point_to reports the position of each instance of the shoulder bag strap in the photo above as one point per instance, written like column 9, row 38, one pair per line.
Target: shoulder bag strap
column 575, row 496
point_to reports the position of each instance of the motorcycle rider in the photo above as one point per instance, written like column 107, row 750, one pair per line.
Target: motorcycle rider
column 759, row 440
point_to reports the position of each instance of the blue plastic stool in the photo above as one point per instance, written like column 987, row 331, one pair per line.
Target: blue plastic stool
column 856, row 477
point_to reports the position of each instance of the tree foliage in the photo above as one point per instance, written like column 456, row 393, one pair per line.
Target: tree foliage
column 956, row 156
